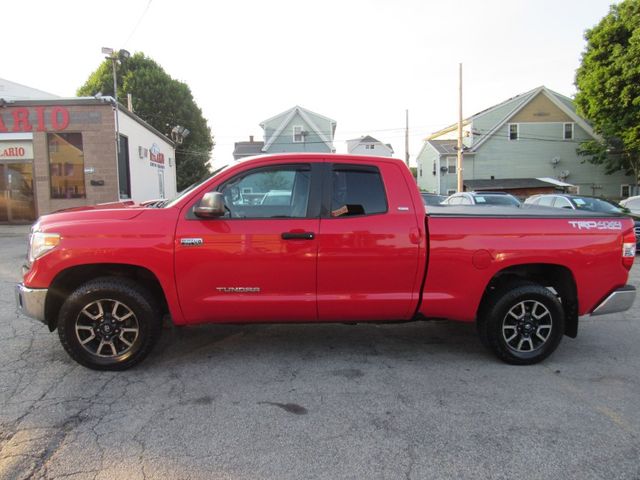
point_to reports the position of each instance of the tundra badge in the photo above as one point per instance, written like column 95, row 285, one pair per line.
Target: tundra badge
column 191, row 242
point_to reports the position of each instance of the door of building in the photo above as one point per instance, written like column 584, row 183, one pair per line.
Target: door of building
column 16, row 192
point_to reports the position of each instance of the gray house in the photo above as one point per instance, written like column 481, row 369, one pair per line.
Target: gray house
column 530, row 136
column 298, row 130
column 367, row 145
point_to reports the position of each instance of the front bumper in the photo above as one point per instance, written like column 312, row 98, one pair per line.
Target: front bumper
column 30, row 301
column 619, row 300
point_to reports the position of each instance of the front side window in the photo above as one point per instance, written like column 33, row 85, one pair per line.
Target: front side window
column 66, row 165
column 357, row 191
column 280, row 192
column 513, row 131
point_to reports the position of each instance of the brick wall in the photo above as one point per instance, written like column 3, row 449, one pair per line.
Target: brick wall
column 96, row 124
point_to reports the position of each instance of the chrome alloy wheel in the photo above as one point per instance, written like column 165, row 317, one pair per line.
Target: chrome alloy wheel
column 527, row 326
column 107, row 328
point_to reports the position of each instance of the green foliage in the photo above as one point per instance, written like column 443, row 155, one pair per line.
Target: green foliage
column 163, row 103
column 608, row 82
column 414, row 172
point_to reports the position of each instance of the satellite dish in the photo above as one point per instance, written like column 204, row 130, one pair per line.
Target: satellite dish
column 564, row 173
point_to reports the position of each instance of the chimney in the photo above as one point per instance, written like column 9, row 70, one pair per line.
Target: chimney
column 251, row 138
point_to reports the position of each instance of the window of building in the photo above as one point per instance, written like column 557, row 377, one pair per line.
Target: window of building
column 369, row 147
column 568, row 131
column 451, row 164
column 277, row 192
column 451, row 191
column 357, row 190
column 124, row 175
column 298, row 134
column 513, row 131
column 66, row 165
column 624, row 191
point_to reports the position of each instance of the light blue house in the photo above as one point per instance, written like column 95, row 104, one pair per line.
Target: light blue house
column 530, row 136
column 298, row 130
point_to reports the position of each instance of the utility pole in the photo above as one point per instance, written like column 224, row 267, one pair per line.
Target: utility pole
column 460, row 147
column 406, row 137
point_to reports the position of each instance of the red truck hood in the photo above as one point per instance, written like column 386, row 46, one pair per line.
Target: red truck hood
column 93, row 213
column 100, row 206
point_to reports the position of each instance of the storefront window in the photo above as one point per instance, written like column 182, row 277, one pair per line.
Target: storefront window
column 66, row 165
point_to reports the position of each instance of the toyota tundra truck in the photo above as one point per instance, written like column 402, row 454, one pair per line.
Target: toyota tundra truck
column 320, row 238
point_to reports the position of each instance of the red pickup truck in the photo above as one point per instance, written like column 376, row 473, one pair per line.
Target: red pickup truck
column 320, row 238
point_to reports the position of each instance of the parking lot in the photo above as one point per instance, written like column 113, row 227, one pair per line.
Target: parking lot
column 413, row 401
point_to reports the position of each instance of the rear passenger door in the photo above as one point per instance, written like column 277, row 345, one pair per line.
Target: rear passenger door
column 368, row 246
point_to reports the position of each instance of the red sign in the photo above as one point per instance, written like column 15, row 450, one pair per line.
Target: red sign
column 156, row 156
column 23, row 119
column 13, row 152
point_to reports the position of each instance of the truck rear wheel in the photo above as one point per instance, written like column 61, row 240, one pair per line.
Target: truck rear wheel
column 109, row 324
column 522, row 324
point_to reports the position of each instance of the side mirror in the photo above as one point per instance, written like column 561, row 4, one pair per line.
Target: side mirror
column 211, row 206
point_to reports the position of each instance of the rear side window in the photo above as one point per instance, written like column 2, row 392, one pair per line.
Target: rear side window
column 357, row 191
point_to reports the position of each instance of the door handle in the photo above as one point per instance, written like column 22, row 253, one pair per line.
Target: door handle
column 298, row 236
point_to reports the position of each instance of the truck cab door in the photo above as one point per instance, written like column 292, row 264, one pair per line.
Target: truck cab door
column 257, row 262
column 371, row 258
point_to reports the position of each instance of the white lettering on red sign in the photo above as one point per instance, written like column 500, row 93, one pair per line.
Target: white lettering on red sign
column 157, row 158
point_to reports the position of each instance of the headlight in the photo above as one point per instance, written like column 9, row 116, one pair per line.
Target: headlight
column 40, row 243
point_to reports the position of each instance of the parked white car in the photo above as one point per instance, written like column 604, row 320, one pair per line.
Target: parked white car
column 632, row 204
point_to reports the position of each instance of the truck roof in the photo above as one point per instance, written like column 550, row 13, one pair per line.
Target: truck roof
column 332, row 157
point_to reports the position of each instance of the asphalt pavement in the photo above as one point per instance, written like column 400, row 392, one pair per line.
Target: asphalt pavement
column 401, row 401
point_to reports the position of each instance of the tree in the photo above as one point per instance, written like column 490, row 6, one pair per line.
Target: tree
column 608, row 83
column 162, row 102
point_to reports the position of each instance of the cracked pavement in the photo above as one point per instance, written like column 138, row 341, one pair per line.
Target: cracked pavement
column 414, row 401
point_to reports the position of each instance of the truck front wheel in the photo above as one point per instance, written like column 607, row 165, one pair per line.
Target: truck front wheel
column 109, row 324
column 522, row 324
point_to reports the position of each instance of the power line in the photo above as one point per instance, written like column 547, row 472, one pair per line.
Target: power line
column 135, row 28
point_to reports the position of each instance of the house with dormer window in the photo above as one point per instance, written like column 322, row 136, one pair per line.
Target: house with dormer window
column 367, row 145
column 530, row 136
column 298, row 130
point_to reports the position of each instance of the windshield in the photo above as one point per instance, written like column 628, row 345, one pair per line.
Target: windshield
column 189, row 189
column 595, row 205
column 496, row 200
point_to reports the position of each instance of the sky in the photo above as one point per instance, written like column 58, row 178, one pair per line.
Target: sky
column 360, row 62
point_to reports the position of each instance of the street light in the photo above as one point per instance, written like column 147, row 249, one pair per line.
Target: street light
column 114, row 56
column 179, row 133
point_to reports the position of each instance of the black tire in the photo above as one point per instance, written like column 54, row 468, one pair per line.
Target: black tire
column 522, row 323
column 109, row 324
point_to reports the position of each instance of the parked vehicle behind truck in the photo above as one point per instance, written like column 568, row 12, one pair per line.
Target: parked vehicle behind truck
column 352, row 244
